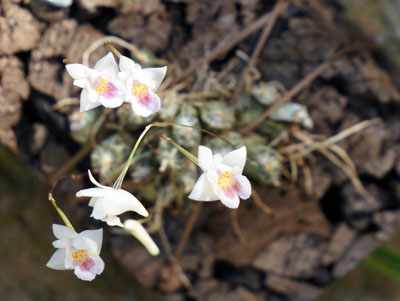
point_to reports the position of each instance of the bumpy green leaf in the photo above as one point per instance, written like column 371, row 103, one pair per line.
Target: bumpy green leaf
column 293, row 112
column 185, row 136
column 217, row 115
column 267, row 93
column 247, row 111
column 170, row 104
column 110, row 154
column 81, row 124
column 264, row 163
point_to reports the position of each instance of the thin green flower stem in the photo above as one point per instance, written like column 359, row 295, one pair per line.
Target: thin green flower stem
column 189, row 155
column 185, row 152
column 118, row 182
column 113, row 49
column 199, row 129
column 60, row 212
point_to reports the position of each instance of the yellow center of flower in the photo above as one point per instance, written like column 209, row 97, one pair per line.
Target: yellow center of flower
column 80, row 256
column 102, row 87
column 108, row 90
column 139, row 90
column 225, row 181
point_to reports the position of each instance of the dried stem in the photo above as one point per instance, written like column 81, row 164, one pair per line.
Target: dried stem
column 259, row 203
column 348, row 171
column 279, row 7
column 60, row 212
column 302, row 84
column 337, row 138
column 223, row 47
column 168, row 251
column 187, row 231
column 236, row 226
column 107, row 39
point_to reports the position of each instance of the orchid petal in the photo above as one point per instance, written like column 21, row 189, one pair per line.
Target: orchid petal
column 136, row 229
column 245, row 187
column 147, row 109
column 83, row 243
column 236, row 158
column 203, row 190
column 99, row 265
column 113, row 102
column 107, row 64
column 60, row 243
column 68, row 263
column 83, row 274
column 57, row 260
column 78, row 71
column 113, row 220
column 93, row 180
column 81, row 83
column 91, row 192
column 92, row 95
column 95, row 236
column 119, row 201
column 61, row 232
column 99, row 210
column 85, row 103
column 217, row 159
column 153, row 77
column 206, row 160
column 93, row 201
column 139, row 109
column 128, row 65
column 230, row 202
column 60, row 3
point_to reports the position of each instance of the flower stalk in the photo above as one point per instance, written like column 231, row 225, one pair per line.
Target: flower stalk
column 113, row 49
column 118, row 182
column 60, row 212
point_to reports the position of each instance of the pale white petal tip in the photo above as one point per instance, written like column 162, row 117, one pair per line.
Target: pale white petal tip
column 84, row 275
column 236, row 158
column 230, row 202
column 57, row 260
column 206, row 159
column 95, row 268
column 60, row 3
column 113, row 220
column 203, row 190
column 94, row 181
column 136, row 229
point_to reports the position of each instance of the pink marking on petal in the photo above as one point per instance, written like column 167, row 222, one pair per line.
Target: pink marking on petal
column 144, row 100
column 87, row 264
column 141, row 93
column 107, row 89
column 228, row 184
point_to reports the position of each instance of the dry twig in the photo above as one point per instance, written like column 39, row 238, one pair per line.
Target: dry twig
column 223, row 47
column 279, row 7
column 302, row 84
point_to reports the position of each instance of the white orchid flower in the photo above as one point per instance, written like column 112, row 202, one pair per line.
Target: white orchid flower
column 141, row 85
column 77, row 251
column 108, row 202
column 222, row 178
column 101, row 85
column 60, row 3
column 136, row 229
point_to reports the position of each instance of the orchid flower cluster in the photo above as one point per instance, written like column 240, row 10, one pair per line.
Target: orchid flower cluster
column 110, row 84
